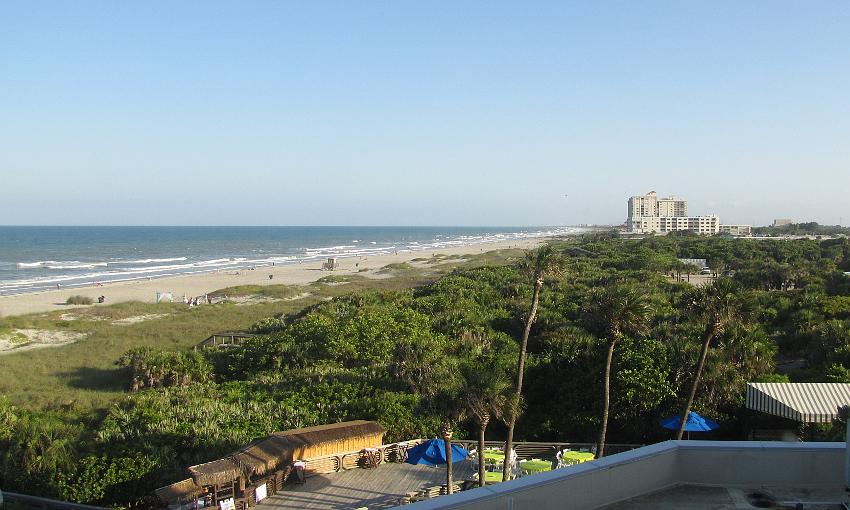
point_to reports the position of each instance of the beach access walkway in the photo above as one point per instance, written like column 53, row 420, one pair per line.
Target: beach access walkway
column 379, row 488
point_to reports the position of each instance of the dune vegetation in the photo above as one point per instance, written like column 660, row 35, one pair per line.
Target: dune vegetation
column 610, row 341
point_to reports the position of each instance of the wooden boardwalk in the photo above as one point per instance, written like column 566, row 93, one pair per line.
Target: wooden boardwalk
column 377, row 488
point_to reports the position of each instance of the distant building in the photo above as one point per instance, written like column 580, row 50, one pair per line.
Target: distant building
column 650, row 214
column 651, row 205
column 780, row 222
column 737, row 230
column 700, row 263
column 643, row 205
column 672, row 207
column 703, row 225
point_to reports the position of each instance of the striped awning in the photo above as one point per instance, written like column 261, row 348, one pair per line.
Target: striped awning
column 803, row 402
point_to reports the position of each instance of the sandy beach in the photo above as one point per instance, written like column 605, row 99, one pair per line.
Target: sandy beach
column 196, row 285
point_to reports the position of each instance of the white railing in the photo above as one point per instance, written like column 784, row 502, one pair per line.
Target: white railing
column 652, row 468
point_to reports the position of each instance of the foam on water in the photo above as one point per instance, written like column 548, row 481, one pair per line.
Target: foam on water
column 33, row 276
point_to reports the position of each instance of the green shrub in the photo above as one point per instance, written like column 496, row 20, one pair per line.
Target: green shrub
column 158, row 369
column 108, row 480
column 79, row 300
column 397, row 266
column 333, row 278
column 268, row 325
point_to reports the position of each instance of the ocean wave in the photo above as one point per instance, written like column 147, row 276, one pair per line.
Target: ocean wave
column 329, row 248
column 41, row 263
column 54, row 264
column 148, row 261
column 81, row 265
column 68, row 274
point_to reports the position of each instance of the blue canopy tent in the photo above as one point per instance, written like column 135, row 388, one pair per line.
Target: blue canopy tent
column 433, row 452
column 695, row 423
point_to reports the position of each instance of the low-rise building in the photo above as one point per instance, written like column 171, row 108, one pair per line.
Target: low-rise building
column 737, row 230
column 702, row 225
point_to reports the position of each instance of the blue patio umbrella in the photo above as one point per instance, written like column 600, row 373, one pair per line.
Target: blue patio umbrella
column 433, row 452
column 695, row 423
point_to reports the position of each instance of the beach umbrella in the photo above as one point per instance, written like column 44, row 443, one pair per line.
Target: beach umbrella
column 695, row 423
column 433, row 452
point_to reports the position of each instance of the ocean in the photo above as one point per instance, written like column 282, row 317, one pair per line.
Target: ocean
column 33, row 259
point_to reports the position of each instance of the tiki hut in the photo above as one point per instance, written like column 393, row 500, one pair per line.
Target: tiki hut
column 269, row 460
column 283, row 448
column 349, row 436
column 182, row 491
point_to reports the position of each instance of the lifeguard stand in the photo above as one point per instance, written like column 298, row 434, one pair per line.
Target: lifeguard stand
column 330, row 265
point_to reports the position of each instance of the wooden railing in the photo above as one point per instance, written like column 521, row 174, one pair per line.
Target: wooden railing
column 226, row 339
column 395, row 452
column 13, row 501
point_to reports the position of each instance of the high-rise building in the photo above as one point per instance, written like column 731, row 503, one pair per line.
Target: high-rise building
column 672, row 206
column 650, row 214
column 643, row 205
column 651, row 205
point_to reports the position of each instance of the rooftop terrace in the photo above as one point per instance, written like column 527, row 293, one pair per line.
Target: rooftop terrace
column 675, row 474
column 377, row 488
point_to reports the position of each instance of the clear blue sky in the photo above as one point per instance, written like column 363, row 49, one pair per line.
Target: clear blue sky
column 421, row 113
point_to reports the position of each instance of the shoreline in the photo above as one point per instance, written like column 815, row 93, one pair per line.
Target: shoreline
column 199, row 284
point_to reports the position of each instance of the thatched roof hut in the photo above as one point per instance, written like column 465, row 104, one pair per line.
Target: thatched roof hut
column 282, row 448
column 183, row 490
column 348, row 436
column 216, row 472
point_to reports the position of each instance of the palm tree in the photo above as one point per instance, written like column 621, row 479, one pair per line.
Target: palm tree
column 486, row 394
column 37, row 448
column 446, row 432
column 720, row 305
column 538, row 264
column 616, row 310
column 446, row 396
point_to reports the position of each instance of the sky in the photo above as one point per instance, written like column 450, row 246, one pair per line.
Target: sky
column 421, row 113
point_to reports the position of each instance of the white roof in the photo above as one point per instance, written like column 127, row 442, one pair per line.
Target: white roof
column 803, row 402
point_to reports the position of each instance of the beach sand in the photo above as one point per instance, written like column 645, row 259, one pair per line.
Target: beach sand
column 197, row 285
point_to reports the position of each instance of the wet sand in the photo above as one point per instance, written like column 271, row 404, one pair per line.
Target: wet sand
column 197, row 285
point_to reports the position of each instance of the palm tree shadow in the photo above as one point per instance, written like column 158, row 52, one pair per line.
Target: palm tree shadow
column 98, row 379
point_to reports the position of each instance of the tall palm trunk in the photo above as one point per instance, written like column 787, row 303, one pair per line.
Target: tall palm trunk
column 447, row 439
column 482, row 427
column 706, row 343
column 509, row 443
column 606, row 396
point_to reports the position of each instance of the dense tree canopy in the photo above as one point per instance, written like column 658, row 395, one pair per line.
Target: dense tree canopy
column 383, row 356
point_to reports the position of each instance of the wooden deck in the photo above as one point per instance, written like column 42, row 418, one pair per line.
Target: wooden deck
column 377, row 488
